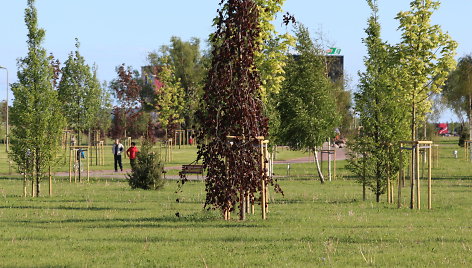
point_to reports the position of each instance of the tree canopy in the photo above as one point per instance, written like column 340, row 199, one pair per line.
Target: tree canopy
column 36, row 112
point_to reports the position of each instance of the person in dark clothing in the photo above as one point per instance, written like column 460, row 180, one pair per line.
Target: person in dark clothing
column 117, row 149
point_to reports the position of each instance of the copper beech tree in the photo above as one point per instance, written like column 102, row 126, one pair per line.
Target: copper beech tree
column 232, row 106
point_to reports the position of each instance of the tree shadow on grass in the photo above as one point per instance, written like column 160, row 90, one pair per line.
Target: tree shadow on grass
column 71, row 208
column 195, row 220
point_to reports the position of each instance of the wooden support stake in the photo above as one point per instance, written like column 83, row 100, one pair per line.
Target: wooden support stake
column 334, row 165
column 429, row 178
column 50, row 182
column 412, row 179
column 33, row 192
column 70, row 165
column 248, row 203
column 25, row 181
column 400, row 178
column 263, row 186
column 88, row 166
column 418, row 192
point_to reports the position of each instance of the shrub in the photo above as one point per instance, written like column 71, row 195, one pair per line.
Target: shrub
column 148, row 171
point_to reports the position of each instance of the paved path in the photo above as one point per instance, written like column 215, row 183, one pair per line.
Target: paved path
column 340, row 155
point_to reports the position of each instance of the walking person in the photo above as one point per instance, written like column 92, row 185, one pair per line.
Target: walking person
column 117, row 149
column 131, row 153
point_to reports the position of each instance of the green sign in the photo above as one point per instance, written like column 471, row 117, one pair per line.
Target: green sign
column 333, row 51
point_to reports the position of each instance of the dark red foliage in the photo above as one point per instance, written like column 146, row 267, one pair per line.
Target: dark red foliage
column 56, row 66
column 232, row 107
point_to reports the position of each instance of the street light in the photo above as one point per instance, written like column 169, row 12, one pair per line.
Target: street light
column 8, row 127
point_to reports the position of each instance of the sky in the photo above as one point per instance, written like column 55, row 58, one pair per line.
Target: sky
column 112, row 32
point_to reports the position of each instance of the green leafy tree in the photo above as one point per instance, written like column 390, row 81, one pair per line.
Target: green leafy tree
column 186, row 61
column 271, row 59
column 457, row 93
column 148, row 171
column 170, row 94
column 36, row 112
column 374, row 156
column 425, row 56
column 128, row 91
column 79, row 92
column 103, row 119
column 307, row 99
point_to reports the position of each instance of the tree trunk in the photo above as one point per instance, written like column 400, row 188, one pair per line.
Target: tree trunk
column 378, row 183
column 242, row 205
column 38, row 180
column 317, row 162
column 470, row 116
column 364, row 179
column 413, row 163
column 78, row 155
column 329, row 161
column 25, row 181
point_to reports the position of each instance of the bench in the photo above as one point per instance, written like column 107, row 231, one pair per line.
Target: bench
column 192, row 169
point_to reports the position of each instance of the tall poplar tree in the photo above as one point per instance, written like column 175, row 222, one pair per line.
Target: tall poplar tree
column 79, row 92
column 383, row 123
column 36, row 111
column 426, row 56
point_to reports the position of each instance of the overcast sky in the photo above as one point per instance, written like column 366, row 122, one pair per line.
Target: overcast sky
column 112, row 32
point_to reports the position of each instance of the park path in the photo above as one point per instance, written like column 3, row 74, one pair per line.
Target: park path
column 340, row 155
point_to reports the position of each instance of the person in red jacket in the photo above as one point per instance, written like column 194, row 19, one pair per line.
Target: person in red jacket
column 131, row 153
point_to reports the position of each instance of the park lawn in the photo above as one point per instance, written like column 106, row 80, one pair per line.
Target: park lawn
column 107, row 224
column 104, row 223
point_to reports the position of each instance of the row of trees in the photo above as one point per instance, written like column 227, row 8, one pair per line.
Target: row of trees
column 169, row 91
column 394, row 96
column 49, row 99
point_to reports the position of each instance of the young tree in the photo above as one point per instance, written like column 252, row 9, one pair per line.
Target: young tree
column 36, row 111
column 426, row 56
column 127, row 91
column 103, row 119
column 79, row 92
column 374, row 156
column 271, row 58
column 185, row 60
column 232, row 107
column 169, row 98
column 306, row 104
column 457, row 93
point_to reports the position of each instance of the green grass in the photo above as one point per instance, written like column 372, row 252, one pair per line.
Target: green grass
column 106, row 224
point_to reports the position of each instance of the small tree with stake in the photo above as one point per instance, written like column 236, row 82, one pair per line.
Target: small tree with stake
column 232, row 107
column 374, row 158
column 35, row 113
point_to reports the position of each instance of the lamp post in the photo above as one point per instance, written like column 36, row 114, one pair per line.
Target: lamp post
column 8, row 127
